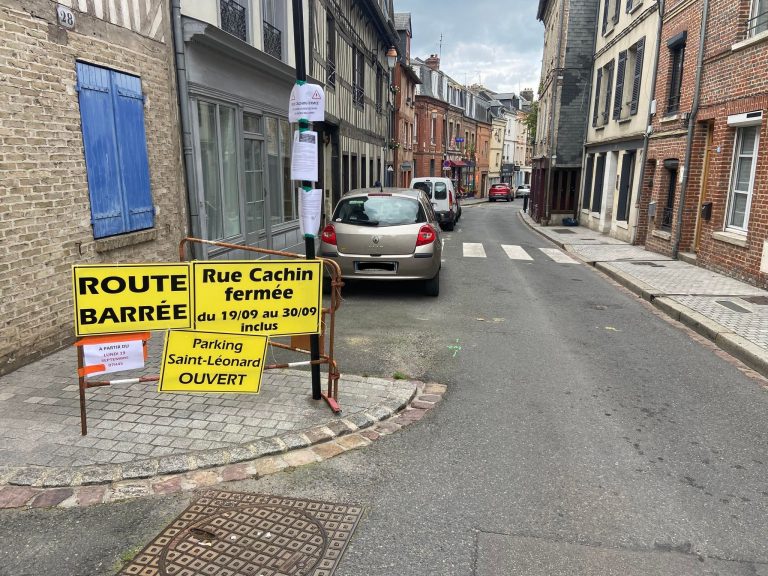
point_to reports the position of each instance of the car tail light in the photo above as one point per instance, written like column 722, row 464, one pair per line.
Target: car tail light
column 426, row 235
column 450, row 200
column 329, row 235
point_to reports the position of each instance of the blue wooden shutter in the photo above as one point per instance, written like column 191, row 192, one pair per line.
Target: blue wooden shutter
column 132, row 148
column 100, row 144
column 112, row 119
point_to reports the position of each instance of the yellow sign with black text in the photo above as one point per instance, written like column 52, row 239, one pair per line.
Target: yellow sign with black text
column 119, row 298
column 273, row 297
column 212, row 362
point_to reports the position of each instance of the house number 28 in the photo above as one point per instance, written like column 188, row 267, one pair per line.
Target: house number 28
column 66, row 17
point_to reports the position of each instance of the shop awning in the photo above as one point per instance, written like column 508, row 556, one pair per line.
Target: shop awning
column 458, row 164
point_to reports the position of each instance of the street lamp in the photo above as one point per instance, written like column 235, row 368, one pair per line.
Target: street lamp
column 391, row 60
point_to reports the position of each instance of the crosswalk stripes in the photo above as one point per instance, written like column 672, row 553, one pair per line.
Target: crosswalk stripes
column 473, row 250
column 514, row 252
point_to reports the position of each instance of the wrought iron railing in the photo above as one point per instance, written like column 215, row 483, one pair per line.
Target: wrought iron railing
column 757, row 24
column 330, row 71
column 273, row 41
column 666, row 218
column 358, row 95
column 233, row 19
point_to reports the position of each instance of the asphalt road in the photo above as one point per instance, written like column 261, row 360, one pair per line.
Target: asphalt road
column 581, row 434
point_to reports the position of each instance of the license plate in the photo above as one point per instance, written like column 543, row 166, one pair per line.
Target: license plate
column 376, row 267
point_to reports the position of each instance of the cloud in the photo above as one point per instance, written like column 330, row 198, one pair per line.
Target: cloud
column 494, row 42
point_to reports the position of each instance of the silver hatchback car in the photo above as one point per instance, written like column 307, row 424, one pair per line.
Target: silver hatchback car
column 385, row 234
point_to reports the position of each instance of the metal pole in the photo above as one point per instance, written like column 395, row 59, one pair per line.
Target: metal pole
column 309, row 240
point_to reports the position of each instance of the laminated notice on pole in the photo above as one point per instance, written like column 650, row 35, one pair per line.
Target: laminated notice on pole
column 304, row 156
column 307, row 103
column 310, row 206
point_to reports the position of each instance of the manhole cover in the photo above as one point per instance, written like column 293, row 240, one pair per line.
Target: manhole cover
column 563, row 231
column 239, row 534
column 733, row 306
column 646, row 263
column 759, row 300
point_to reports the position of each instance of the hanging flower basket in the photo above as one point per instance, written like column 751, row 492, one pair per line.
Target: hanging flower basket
column 394, row 89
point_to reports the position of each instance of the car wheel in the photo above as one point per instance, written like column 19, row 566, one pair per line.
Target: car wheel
column 432, row 287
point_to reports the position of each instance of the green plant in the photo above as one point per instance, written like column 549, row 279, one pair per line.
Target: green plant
column 125, row 558
column 399, row 376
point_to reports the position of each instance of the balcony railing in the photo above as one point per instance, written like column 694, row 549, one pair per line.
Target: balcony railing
column 273, row 41
column 233, row 19
column 757, row 24
column 330, row 71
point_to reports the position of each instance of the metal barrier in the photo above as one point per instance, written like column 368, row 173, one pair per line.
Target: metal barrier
column 331, row 396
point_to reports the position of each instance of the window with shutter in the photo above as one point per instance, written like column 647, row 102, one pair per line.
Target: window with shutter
column 619, row 97
column 608, row 86
column 596, row 108
column 638, row 75
column 616, row 11
column 605, row 15
column 115, row 146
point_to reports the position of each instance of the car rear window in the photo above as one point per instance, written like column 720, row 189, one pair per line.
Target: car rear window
column 426, row 187
column 379, row 211
column 441, row 191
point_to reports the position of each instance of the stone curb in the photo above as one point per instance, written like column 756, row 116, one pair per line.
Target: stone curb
column 640, row 288
column 253, row 460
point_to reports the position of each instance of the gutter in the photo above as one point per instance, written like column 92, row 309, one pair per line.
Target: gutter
column 649, row 127
column 691, row 128
column 186, row 124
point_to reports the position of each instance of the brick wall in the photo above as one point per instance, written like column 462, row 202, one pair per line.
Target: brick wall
column 45, row 210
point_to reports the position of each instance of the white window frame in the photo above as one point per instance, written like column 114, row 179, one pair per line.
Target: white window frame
column 758, row 7
column 734, row 167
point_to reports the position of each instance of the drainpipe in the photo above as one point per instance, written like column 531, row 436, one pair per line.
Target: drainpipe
column 186, row 124
column 646, row 136
column 552, row 146
column 691, row 128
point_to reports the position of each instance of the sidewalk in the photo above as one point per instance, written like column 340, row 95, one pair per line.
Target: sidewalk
column 733, row 314
column 143, row 442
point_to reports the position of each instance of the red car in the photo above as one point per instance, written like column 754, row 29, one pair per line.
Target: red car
column 500, row 192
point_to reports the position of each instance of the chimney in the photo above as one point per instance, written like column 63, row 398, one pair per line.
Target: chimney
column 433, row 62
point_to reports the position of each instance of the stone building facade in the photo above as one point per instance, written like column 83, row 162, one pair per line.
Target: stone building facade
column 68, row 197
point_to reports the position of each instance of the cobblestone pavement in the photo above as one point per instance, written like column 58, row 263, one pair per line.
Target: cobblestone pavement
column 133, row 430
column 734, row 314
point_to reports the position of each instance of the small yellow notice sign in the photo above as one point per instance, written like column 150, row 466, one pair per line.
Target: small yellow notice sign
column 272, row 297
column 212, row 362
column 119, row 298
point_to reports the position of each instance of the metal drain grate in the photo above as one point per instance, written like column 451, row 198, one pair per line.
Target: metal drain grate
column 239, row 534
column 733, row 306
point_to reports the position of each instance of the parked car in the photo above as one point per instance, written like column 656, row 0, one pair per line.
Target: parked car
column 523, row 191
column 444, row 199
column 500, row 192
column 385, row 234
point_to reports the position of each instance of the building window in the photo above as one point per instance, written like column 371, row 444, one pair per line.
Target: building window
column 379, row 89
column 253, row 148
column 282, row 196
column 669, row 206
column 588, row 172
column 431, row 166
column 273, row 17
column 676, row 48
column 611, row 9
column 433, row 129
column 233, row 15
column 758, row 21
column 742, row 177
column 597, row 197
column 115, row 145
column 358, row 77
column 629, row 72
column 330, row 51
column 603, row 91
column 219, row 168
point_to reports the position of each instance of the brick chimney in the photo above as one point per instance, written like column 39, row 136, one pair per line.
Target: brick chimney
column 433, row 62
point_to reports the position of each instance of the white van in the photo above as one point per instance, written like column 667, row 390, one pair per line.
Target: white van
column 443, row 197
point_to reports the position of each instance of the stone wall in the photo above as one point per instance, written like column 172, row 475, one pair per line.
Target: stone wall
column 45, row 219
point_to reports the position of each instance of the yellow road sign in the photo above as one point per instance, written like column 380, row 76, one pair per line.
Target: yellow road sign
column 212, row 362
column 273, row 297
column 118, row 298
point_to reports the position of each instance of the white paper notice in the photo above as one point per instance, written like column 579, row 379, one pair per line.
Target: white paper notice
column 114, row 356
column 304, row 156
column 310, row 207
column 307, row 102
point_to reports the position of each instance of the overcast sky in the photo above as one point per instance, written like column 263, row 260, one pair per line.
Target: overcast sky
column 495, row 42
